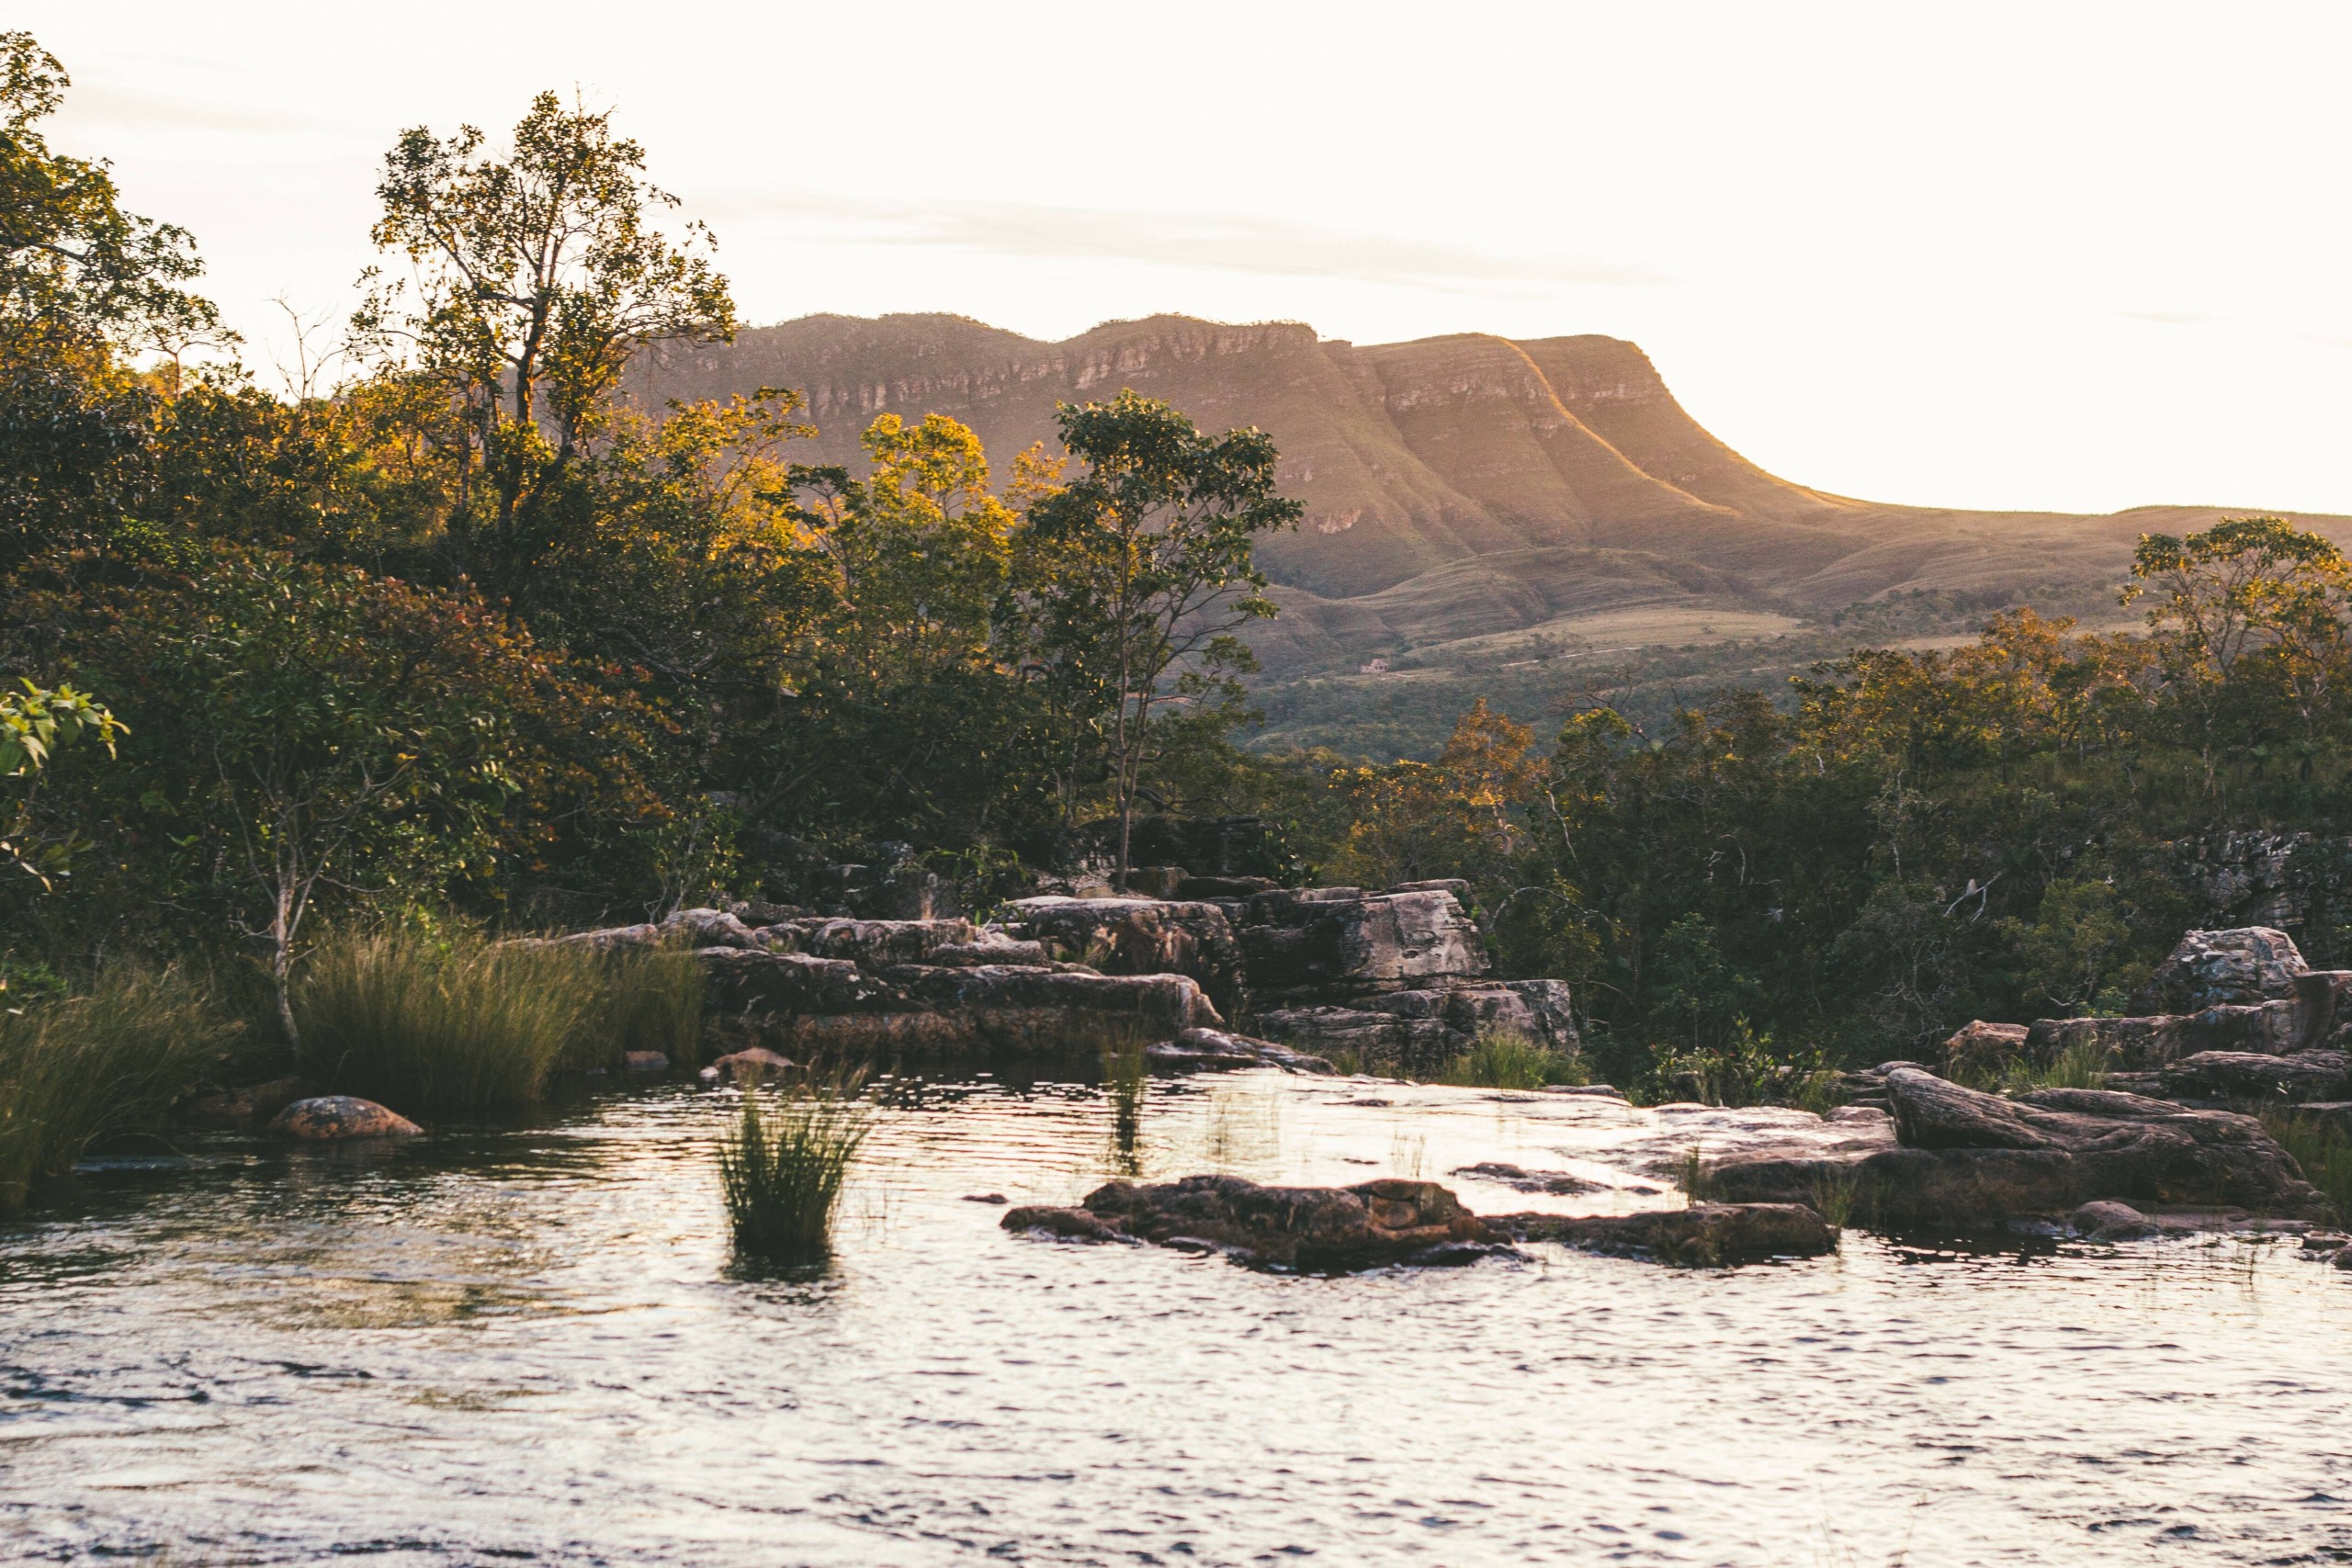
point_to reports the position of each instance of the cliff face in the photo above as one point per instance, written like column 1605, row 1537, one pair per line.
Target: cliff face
column 1453, row 485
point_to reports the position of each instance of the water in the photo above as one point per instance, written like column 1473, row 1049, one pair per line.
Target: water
column 531, row 1345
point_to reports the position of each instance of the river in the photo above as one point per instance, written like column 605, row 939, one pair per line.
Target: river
column 530, row 1343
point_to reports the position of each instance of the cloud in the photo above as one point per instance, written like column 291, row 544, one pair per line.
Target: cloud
column 1218, row 242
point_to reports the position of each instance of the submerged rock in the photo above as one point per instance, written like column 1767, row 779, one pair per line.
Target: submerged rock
column 1321, row 1229
column 756, row 1064
column 333, row 1117
column 1705, row 1235
column 1967, row 1157
column 2109, row 1220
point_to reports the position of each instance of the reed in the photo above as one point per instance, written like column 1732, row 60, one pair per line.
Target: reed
column 78, row 1070
column 447, row 1022
column 646, row 999
column 1837, row 1195
column 1504, row 1058
column 1125, row 1083
column 783, row 1165
column 2324, row 1153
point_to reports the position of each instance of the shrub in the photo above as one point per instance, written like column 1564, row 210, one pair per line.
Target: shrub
column 79, row 1069
column 443, row 1023
column 1504, row 1058
column 782, row 1166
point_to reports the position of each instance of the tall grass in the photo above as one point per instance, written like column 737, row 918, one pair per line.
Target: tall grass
column 2324, row 1153
column 1125, row 1083
column 1504, row 1058
column 440, row 1022
column 782, row 1166
column 450, row 1021
column 2081, row 1066
column 79, row 1069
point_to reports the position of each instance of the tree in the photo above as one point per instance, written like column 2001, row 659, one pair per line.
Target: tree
column 34, row 723
column 1143, row 567
column 532, row 280
column 1459, row 816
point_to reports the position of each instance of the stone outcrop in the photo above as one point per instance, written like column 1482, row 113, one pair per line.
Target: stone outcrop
column 1704, row 1235
column 2243, row 967
column 1418, row 1031
column 1313, row 1229
column 1981, row 1050
column 1211, row 1050
column 341, row 1118
column 1966, row 1157
column 1137, row 936
column 1324, row 943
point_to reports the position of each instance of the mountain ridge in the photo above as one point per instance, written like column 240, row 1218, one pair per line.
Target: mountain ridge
column 1454, row 485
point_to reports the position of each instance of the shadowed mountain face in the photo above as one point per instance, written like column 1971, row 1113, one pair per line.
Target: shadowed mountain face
column 1455, row 486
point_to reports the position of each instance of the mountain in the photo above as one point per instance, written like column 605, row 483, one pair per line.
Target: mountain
column 1457, row 489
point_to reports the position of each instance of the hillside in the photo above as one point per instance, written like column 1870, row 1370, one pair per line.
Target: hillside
column 1458, row 488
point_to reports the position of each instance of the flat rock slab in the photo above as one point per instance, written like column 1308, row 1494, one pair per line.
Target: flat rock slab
column 335, row 1118
column 1705, row 1235
column 1309, row 1229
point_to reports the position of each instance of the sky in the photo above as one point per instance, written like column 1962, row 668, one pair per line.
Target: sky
column 2074, row 256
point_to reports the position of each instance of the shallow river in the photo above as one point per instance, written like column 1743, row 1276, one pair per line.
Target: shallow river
column 531, row 1343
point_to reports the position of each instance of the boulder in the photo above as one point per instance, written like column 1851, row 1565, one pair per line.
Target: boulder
column 2107, row 1221
column 2291, row 1079
column 1198, row 1050
column 1705, row 1235
column 1418, row 1031
column 1325, row 943
column 1967, row 1157
column 1376, row 1041
column 1318, row 1229
column 337, row 1118
column 1983, row 1050
column 1137, row 936
column 2243, row 967
column 754, row 1063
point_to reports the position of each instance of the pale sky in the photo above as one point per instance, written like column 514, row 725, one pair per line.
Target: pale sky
column 2074, row 256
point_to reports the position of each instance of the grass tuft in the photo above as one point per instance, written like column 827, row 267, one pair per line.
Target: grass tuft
column 782, row 1166
column 2080, row 1066
column 647, row 1000
column 77, row 1070
column 2324, row 1153
column 1504, row 1058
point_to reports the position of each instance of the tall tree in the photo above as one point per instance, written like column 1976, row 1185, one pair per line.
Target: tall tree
column 1143, row 567
column 531, row 278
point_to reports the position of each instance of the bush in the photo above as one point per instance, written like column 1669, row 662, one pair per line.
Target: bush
column 1504, row 1058
column 782, row 1166
column 76, row 1070
column 442, row 1023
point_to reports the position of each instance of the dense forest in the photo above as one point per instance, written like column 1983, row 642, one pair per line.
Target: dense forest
column 442, row 627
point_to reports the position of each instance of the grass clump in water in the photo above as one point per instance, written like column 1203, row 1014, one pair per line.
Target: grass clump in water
column 78, row 1070
column 1504, row 1058
column 442, row 1021
column 783, row 1165
column 2324, row 1153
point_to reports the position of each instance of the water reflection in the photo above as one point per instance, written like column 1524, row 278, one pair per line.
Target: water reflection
column 535, row 1342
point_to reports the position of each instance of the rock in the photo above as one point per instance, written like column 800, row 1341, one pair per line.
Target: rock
column 2344, row 1257
column 873, row 943
column 1342, row 940
column 604, row 940
column 248, row 1106
column 1969, row 1157
column 1983, row 1050
column 1417, row 1032
column 748, row 984
column 707, row 928
column 1704, row 1235
column 1223, row 888
column 335, row 1118
column 2106, row 1221
column 988, row 949
column 645, row 1061
column 1138, row 936
column 1198, row 1049
column 1321, row 1229
column 2320, row 1076
column 2243, row 967
column 984, row 1198
column 1154, row 881
column 1872, row 1114
column 1559, row 1183
column 754, row 1063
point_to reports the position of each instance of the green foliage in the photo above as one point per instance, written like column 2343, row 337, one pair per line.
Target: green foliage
column 2323, row 1151
column 442, row 1023
column 2081, row 1066
column 77, row 1070
column 1504, row 1058
column 782, row 1166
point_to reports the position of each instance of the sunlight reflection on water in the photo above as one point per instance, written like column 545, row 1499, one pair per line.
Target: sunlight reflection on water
column 532, row 1344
